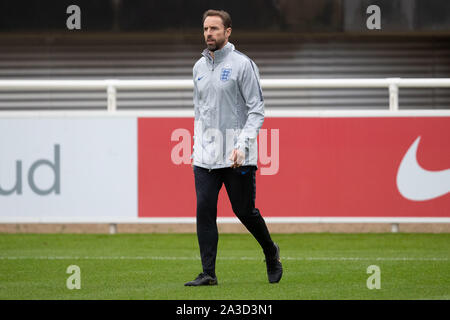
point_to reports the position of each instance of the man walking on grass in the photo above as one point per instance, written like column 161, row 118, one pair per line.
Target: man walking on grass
column 229, row 111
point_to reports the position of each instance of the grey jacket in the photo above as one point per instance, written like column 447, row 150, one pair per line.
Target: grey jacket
column 229, row 108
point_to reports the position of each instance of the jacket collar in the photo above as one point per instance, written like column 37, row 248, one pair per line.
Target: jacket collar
column 219, row 55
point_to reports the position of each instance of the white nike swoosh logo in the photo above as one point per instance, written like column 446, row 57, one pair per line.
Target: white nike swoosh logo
column 418, row 184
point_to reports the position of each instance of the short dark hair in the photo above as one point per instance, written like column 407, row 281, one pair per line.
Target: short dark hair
column 226, row 18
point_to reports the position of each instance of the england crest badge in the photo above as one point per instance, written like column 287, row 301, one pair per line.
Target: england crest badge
column 225, row 74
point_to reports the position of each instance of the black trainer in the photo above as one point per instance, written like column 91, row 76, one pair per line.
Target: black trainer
column 203, row 279
column 274, row 267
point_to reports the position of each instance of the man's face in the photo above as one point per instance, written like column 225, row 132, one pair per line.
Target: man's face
column 214, row 32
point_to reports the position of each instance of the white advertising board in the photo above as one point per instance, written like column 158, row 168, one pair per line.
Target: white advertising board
column 68, row 169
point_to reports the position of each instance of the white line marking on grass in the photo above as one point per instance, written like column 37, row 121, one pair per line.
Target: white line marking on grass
column 363, row 259
column 218, row 258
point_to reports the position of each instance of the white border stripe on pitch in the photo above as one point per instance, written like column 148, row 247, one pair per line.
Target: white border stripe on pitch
column 220, row 258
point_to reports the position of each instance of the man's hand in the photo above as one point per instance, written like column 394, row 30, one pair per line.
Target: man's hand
column 237, row 157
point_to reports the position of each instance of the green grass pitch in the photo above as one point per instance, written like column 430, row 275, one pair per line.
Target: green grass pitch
column 155, row 266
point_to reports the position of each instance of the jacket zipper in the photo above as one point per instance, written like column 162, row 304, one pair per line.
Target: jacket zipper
column 209, row 167
column 211, row 79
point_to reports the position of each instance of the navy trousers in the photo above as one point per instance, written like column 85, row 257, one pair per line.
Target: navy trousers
column 240, row 185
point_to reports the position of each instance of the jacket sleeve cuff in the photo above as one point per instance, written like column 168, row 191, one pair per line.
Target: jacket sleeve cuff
column 241, row 146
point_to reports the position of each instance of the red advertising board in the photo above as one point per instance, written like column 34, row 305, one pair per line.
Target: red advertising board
column 319, row 167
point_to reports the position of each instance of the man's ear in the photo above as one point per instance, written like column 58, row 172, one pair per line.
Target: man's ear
column 228, row 32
